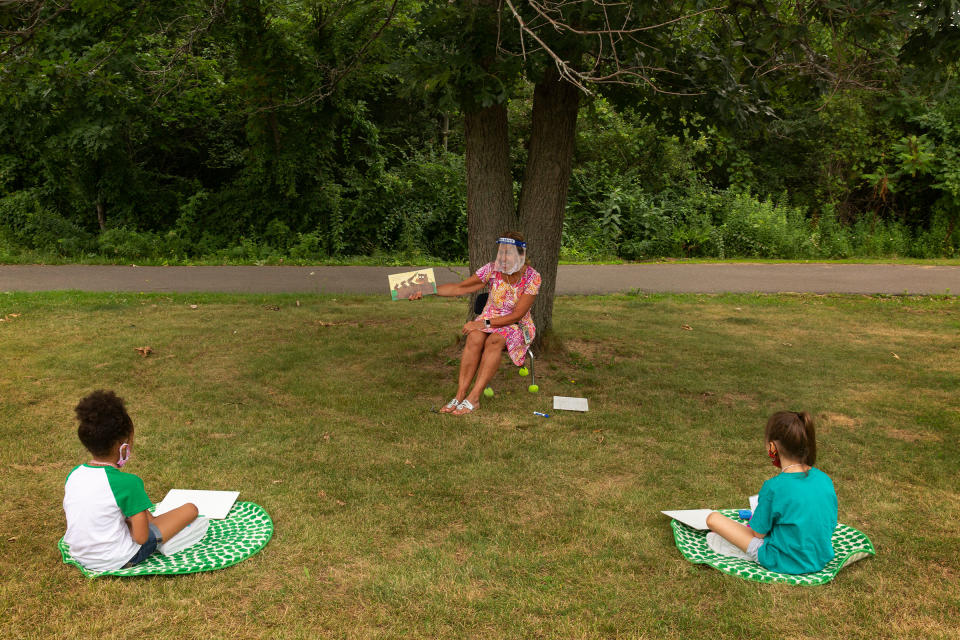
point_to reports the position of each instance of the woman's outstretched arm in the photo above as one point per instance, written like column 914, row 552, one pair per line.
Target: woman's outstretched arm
column 462, row 288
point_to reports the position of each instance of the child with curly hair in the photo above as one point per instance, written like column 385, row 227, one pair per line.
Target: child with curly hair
column 109, row 525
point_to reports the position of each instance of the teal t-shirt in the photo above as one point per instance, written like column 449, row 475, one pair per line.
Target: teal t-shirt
column 796, row 513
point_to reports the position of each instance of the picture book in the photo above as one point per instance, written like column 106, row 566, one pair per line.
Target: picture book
column 404, row 285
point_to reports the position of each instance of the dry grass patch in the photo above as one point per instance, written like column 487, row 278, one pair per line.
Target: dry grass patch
column 828, row 419
column 911, row 436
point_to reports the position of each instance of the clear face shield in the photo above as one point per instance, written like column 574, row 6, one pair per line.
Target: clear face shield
column 510, row 255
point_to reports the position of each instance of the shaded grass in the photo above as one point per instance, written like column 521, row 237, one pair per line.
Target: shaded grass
column 394, row 521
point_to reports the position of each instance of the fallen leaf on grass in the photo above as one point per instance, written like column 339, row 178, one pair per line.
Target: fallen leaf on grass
column 686, row 327
column 193, row 306
column 12, row 539
column 144, row 351
column 277, row 481
column 895, row 355
column 321, row 494
column 341, row 502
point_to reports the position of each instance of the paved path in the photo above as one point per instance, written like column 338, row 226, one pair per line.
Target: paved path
column 571, row 279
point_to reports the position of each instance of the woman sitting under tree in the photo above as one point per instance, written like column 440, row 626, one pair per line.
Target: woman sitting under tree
column 504, row 323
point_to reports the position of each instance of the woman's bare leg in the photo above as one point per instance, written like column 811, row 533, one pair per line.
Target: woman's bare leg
column 489, row 363
column 469, row 361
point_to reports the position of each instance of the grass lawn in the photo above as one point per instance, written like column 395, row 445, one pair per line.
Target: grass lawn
column 393, row 521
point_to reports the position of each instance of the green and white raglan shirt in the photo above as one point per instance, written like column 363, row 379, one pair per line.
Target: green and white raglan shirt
column 97, row 501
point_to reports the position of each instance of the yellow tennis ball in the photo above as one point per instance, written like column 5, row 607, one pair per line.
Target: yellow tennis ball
column 488, row 392
column 533, row 388
column 524, row 372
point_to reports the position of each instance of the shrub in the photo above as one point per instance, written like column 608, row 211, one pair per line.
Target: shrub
column 27, row 223
column 752, row 228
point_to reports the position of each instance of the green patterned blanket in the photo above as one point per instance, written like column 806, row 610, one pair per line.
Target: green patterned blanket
column 849, row 545
column 244, row 532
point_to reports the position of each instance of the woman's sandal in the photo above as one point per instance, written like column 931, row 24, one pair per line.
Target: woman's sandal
column 464, row 408
column 451, row 406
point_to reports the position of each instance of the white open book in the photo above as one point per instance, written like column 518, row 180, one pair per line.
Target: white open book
column 697, row 518
column 212, row 504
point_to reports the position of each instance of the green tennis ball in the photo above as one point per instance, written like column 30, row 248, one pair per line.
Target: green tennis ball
column 488, row 392
column 533, row 388
column 524, row 372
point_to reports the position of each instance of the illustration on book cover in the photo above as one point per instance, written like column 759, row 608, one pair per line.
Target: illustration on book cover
column 404, row 285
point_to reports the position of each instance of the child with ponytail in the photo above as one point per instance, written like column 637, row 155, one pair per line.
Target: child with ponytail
column 792, row 526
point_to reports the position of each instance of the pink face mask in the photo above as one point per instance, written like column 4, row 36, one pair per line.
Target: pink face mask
column 125, row 450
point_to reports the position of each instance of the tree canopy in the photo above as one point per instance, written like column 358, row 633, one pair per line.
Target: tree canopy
column 312, row 129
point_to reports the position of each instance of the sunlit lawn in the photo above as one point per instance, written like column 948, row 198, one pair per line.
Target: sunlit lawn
column 394, row 521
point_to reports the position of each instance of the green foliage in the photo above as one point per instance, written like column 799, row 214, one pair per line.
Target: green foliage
column 732, row 224
column 260, row 130
column 419, row 208
column 26, row 222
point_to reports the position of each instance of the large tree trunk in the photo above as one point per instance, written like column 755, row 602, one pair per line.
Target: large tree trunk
column 490, row 204
column 543, row 199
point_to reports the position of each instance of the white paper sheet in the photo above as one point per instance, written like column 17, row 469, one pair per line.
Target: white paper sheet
column 212, row 504
column 569, row 404
column 696, row 518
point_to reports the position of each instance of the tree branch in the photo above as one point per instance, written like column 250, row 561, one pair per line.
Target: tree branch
column 551, row 16
column 31, row 20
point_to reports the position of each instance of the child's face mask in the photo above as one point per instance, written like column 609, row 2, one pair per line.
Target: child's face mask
column 125, row 451
column 774, row 456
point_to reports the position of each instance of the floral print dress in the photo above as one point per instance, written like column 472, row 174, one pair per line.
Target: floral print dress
column 502, row 301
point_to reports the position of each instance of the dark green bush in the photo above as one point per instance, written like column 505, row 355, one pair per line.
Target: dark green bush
column 27, row 223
